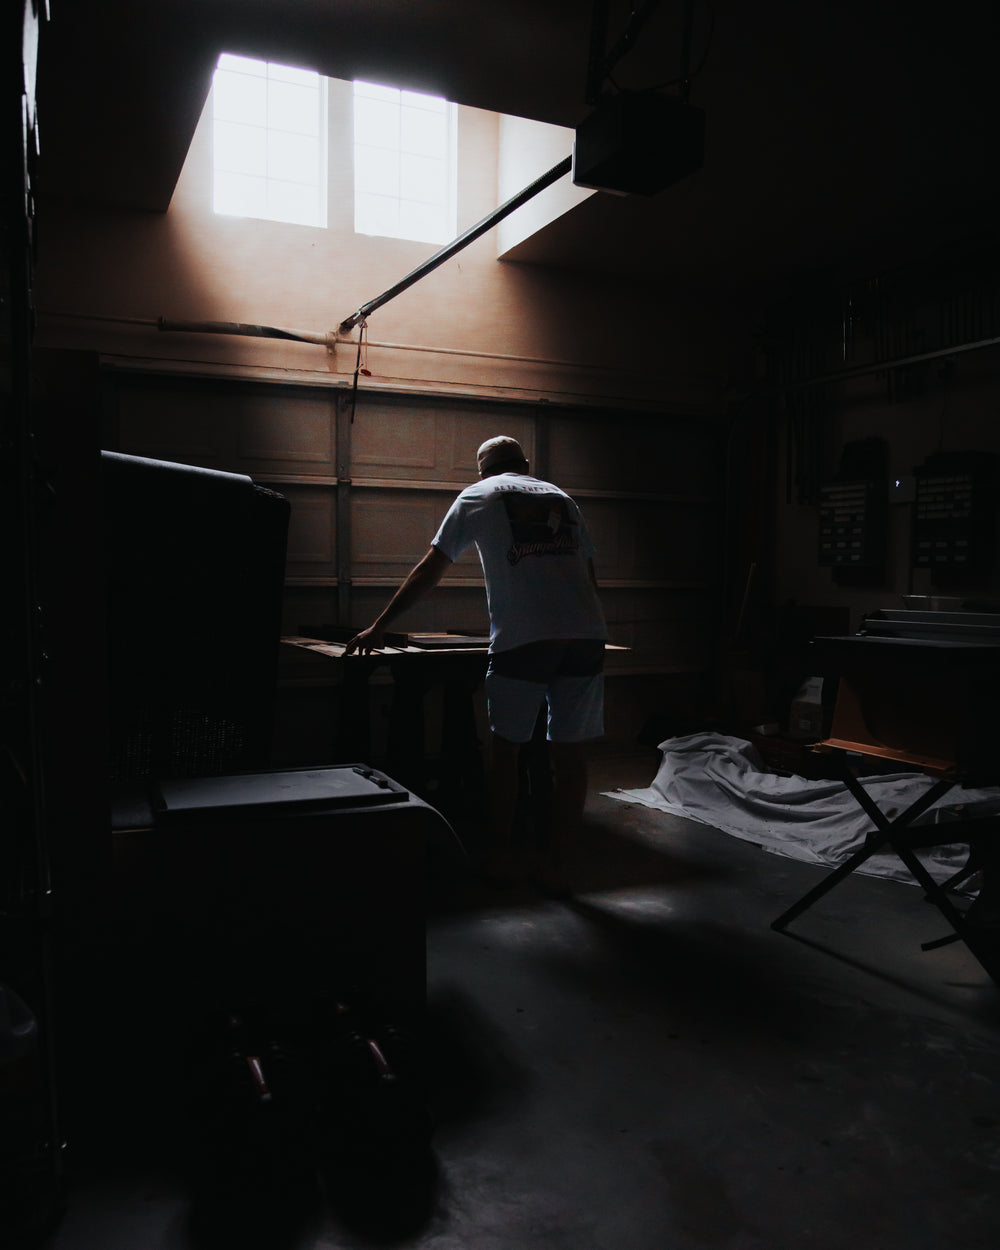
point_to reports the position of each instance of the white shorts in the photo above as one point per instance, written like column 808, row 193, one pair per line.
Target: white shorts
column 567, row 674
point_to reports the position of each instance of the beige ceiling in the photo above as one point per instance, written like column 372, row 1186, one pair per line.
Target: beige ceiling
column 843, row 136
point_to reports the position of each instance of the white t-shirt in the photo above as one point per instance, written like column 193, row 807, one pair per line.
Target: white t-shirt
column 534, row 548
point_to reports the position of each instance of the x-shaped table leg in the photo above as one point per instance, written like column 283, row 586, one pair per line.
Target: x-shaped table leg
column 891, row 833
column 880, row 837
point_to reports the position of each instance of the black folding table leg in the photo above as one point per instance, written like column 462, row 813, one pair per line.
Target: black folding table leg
column 916, row 808
column 874, row 842
column 987, row 956
column 872, row 845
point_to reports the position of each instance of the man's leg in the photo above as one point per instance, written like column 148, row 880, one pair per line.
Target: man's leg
column 576, row 720
column 512, row 704
column 569, row 767
column 503, row 786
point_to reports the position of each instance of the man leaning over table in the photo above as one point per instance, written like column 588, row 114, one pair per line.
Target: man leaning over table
column 547, row 631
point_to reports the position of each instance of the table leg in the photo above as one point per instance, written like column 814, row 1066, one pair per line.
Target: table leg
column 872, row 845
column 353, row 728
column 406, row 748
column 874, row 842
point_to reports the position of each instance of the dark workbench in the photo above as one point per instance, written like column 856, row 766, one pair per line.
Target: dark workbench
column 415, row 670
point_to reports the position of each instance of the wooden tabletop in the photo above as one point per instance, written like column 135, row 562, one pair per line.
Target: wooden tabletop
column 464, row 645
column 432, row 644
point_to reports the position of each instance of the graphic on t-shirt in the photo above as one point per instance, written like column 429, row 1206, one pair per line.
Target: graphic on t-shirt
column 540, row 525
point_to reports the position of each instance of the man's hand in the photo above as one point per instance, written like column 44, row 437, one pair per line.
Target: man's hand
column 424, row 576
column 369, row 640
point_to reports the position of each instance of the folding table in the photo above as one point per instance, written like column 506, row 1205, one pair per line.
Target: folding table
column 919, row 689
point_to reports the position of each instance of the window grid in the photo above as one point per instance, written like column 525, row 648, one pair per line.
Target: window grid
column 404, row 164
column 269, row 141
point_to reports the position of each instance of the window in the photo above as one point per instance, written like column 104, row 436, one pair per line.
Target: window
column 269, row 141
column 404, row 164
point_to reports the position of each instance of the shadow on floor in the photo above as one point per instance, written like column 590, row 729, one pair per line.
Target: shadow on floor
column 604, row 858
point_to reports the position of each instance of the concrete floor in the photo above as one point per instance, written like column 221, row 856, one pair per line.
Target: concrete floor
column 646, row 1066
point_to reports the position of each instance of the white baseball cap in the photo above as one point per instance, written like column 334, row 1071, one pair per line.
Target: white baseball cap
column 499, row 450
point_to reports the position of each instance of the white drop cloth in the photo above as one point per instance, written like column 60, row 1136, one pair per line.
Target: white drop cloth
column 722, row 782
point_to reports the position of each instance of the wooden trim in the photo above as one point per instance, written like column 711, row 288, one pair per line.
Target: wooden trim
column 453, row 488
column 707, row 412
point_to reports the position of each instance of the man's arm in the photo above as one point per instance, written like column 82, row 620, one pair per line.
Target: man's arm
column 422, row 578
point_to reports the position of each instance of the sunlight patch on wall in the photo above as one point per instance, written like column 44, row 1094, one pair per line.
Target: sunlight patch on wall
column 527, row 149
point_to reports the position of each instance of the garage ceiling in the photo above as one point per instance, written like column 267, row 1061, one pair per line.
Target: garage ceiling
column 843, row 136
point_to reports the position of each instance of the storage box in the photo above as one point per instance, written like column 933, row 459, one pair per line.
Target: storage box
column 805, row 715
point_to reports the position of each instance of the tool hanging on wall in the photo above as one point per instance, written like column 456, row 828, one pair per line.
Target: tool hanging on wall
column 360, row 366
column 242, row 328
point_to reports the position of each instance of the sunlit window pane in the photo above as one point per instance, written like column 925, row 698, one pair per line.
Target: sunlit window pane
column 376, row 214
column 292, row 202
column 376, row 123
column 430, row 103
column 245, row 64
column 423, row 179
column 426, row 133
column 376, row 170
column 240, row 149
column 292, row 107
column 288, row 73
column 269, row 137
column 373, row 91
column 238, row 98
column 403, row 148
column 292, row 158
column 239, row 195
